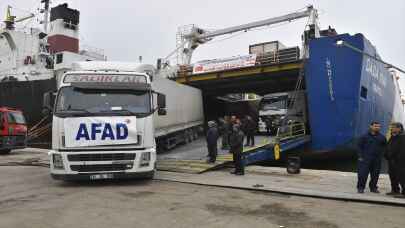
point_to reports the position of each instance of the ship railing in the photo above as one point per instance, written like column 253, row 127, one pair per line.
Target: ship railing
column 282, row 56
column 291, row 131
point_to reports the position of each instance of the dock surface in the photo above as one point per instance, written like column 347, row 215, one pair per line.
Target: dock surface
column 312, row 183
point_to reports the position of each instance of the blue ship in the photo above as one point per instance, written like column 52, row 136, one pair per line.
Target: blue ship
column 346, row 91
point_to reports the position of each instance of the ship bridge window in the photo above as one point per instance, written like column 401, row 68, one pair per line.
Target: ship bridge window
column 59, row 58
column 363, row 92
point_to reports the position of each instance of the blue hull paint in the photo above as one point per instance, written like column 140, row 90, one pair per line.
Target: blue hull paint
column 336, row 78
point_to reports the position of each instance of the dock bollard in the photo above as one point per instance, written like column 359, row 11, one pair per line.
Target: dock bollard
column 294, row 165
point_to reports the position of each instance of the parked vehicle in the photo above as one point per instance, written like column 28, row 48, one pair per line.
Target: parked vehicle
column 13, row 130
column 277, row 109
column 109, row 118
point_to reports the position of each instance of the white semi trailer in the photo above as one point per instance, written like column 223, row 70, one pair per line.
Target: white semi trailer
column 110, row 118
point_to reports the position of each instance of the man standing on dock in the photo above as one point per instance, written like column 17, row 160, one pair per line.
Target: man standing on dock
column 371, row 150
column 395, row 155
column 236, row 143
column 212, row 141
column 226, row 129
column 250, row 128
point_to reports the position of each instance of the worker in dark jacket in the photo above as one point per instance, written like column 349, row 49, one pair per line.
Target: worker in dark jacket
column 395, row 146
column 236, row 143
column 400, row 165
column 371, row 150
column 212, row 141
column 226, row 131
column 250, row 128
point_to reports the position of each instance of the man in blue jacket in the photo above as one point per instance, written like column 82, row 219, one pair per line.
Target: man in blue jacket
column 371, row 150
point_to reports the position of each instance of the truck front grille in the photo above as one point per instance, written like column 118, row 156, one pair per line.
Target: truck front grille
column 100, row 167
column 101, row 157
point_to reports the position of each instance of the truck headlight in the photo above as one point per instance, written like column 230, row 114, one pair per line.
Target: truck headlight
column 57, row 161
column 145, row 159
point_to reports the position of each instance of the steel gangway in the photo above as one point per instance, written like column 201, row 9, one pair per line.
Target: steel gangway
column 289, row 138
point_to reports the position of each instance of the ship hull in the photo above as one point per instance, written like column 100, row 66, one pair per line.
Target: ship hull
column 346, row 91
column 27, row 96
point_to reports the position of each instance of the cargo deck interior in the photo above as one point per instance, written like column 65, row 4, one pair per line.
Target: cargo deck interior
column 260, row 80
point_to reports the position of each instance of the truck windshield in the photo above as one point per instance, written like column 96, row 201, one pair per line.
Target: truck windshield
column 16, row 118
column 274, row 103
column 92, row 101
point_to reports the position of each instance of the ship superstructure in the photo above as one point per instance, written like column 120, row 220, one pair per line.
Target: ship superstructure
column 38, row 54
column 33, row 59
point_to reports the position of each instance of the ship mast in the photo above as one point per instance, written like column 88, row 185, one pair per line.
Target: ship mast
column 46, row 15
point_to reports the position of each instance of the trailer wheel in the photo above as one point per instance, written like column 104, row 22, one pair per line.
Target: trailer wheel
column 190, row 135
column 5, row 151
column 187, row 137
column 150, row 175
column 195, row 134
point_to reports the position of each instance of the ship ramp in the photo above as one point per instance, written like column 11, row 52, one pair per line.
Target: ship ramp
column 270, row 149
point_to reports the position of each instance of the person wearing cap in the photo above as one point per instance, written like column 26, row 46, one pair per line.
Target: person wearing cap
column 212, row 141
column 371, row 150
column 395, row 144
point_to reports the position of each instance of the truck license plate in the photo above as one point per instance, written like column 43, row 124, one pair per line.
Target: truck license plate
column 102, row 176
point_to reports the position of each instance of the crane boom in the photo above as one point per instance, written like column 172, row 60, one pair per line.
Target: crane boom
column 24, row 18
column 197, row 36
column 252, row 25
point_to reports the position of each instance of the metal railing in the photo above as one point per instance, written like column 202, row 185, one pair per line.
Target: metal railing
column 282, row 56
column 286, row 55
column 291, row 131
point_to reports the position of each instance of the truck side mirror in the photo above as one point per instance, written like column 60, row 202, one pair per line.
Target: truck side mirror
column 1, row 122
column 48, row 103
column 161, row 103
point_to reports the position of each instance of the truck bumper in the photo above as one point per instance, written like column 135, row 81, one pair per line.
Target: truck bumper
column 13, row 142
column 88, row 176
column 98, row 165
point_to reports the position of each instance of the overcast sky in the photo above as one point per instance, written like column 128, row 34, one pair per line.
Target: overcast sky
column 126, row 29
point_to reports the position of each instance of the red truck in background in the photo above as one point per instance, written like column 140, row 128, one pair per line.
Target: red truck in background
column 13, row 130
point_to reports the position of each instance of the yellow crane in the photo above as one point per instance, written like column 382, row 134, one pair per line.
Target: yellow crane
column 11, row 20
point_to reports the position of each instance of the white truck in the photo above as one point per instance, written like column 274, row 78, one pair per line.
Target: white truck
column 276, row 107
column 109, row 118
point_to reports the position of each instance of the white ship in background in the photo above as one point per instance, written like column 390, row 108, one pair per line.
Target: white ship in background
column 32, row 60
column 41, row 54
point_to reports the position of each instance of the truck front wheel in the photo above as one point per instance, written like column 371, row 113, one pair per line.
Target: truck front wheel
column 5, row 151
column 150, row 175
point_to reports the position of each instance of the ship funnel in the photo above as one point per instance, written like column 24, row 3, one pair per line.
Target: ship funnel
column 64, row 32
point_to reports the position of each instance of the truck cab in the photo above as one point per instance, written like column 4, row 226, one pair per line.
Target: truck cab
column 13, row 130
column 278, row 109
column 102, row 125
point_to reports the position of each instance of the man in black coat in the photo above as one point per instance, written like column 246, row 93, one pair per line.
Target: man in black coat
column 212, row 141
column 371, row 150
column 250, row 128
column 395, row 143
column 236, row 143
column 400, row 165
column 225, row 132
